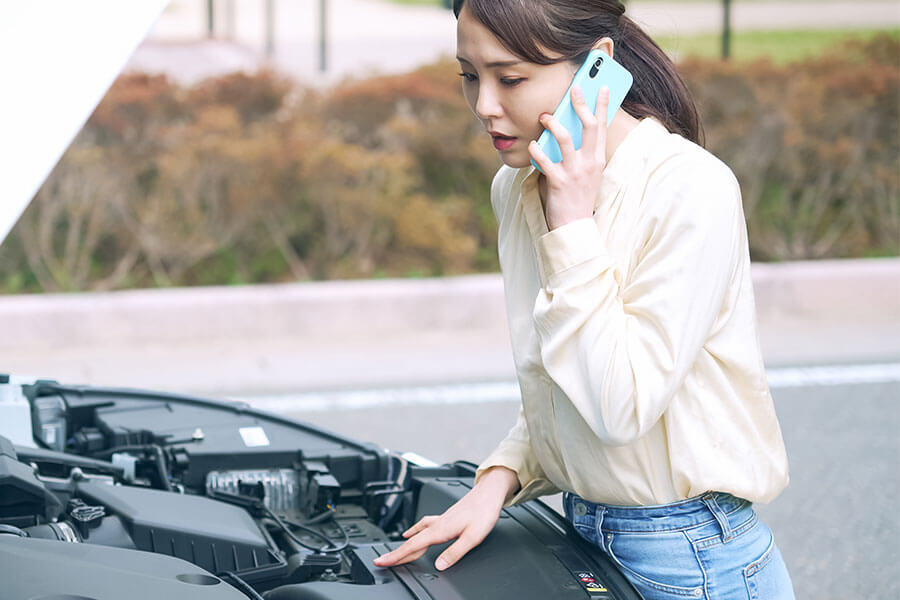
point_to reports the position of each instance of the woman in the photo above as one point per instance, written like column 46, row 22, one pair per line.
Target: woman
column 631, row 312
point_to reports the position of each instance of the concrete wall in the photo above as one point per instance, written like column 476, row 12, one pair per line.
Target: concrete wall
column 304, row 336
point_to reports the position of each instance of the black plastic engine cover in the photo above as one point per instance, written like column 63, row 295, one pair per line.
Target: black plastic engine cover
column 527, row 556
column 22, row 495
column 213, row 535
column 51, row 570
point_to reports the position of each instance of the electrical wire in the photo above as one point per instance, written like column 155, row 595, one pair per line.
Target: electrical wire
column 241, row 585
column 331, row 546
column 285, row 524
column 345, row 542
column 258, row 508
column 10, row 529
column 321, row 517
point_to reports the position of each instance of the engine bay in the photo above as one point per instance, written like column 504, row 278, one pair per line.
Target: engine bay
column 236, row 503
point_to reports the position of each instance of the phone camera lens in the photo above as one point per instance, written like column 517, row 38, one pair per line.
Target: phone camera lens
column 598, row 62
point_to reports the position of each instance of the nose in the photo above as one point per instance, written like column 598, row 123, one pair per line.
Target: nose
column 487, row 105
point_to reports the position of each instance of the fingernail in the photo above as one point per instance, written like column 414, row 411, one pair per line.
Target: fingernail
column 441, row 564
column 576, row 91
column 605, row 90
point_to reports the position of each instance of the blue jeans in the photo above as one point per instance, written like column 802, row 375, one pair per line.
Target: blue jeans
column 712, row 546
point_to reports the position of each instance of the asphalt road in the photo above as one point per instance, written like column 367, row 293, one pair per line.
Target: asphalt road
column 837, row 523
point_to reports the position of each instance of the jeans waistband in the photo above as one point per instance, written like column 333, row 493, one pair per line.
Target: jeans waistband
column 684, row 514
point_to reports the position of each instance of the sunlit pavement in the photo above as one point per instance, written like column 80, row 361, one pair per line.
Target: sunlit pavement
column 377, row 36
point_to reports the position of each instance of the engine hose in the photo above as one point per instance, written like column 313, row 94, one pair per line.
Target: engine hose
column 241, row 585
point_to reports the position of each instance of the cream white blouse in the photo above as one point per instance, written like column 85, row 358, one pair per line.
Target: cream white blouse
column 634, row 335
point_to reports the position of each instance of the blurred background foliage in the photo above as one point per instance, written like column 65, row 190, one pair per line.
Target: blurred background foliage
column 250, row 179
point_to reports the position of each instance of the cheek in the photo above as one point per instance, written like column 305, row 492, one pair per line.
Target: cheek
column 527, row 120
column 470, row 93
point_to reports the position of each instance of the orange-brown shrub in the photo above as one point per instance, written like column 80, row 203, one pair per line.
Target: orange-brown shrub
column 814, row 145
column 246, row 178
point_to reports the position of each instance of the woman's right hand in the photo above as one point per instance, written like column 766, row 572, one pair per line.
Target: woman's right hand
column 468, row 522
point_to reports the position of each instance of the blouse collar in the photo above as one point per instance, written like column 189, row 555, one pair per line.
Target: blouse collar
column 627, row 158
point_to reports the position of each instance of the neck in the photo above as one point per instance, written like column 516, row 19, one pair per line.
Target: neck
column 616, row 131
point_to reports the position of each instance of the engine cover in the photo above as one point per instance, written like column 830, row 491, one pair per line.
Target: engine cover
column 213, row 535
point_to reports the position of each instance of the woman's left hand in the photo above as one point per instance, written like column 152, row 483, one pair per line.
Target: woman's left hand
column 573, row 183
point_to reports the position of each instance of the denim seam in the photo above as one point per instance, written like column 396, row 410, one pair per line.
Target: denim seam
column 757, row 565
column 598, row 525
column 675, row 529
column 668, row 505
column 736, row 532
column 700, row 564
column 671, row 589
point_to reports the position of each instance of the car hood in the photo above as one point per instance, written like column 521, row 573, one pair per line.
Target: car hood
column 58, row 58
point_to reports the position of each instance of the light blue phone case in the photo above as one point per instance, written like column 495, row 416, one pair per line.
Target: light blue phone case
column 608, row 73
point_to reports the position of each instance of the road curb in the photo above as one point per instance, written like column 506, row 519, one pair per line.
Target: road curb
column 316, row 335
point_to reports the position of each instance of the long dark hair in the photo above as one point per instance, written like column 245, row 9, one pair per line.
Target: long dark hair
column 528, row 28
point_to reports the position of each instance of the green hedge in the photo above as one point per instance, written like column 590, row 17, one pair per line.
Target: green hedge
column 246, row 179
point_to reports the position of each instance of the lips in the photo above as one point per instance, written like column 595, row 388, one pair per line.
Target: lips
column 502, row 142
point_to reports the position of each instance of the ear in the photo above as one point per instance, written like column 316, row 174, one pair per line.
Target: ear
column 605, row 44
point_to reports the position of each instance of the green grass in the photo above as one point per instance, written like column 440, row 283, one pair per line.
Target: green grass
column 781, row 46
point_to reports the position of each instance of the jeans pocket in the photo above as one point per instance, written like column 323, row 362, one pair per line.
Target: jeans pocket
column 767, row 578
column 660, row 565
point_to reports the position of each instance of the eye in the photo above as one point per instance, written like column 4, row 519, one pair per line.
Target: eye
column 511, row 82
column 467, row 76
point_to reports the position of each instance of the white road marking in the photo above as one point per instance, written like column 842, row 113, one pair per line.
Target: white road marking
column 508, row 391
column 831, row 375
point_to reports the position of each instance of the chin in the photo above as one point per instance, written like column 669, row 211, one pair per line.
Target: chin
column 515, row 159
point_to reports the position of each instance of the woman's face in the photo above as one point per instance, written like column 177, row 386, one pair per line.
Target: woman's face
column 506, row 93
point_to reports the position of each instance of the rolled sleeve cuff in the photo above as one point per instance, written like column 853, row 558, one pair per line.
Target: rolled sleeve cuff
column 532, row 480
column 568, row 246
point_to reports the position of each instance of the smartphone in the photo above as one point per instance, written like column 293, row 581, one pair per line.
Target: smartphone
column 598, row 70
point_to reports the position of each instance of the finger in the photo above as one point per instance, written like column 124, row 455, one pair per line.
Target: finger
column 588, row 120
column 600, row 112
column 601, row 115
column 563, row 138
column 406, row 559
column 413, row 547
column 540, row 157
column 416, row 544
column 456, row 551
column 422, row 524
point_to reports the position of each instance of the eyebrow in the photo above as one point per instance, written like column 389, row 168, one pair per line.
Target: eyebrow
column 497, row 63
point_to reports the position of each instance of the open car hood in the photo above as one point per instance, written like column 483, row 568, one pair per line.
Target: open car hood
column 58, row 58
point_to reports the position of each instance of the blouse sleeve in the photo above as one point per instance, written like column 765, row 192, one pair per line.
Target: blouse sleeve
column 515, row 453
column 620, row 350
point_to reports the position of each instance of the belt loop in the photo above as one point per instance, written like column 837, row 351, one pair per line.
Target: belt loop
column 709, row 499
column 600, row 510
